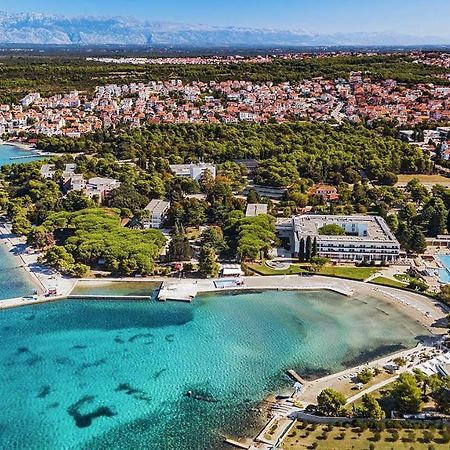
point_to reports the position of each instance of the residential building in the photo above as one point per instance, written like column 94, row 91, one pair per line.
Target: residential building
column 327, row 192
column 366, row 238
column 157, row 212
column 100, row 187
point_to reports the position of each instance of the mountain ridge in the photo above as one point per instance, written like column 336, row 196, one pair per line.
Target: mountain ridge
column 38, row 28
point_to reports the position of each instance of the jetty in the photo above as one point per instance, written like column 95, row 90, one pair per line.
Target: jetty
column 23, row 157
column 295, row 376
column 181, row 292
column 236, row 444
column 110, row 297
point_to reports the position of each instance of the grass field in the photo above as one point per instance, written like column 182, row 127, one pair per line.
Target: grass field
column 262, row 269
column 425, row 179
column 341, row 438
column 352, row 273
column 383, row 281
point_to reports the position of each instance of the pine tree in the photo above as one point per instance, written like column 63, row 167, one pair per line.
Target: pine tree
column 207, row 262
column 301, row 252
column 315, row 251
column 308, row 248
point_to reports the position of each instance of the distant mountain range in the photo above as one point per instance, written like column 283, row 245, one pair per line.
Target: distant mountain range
column 42, row 29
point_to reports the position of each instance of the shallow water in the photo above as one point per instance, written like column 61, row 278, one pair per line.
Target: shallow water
column 14, row 281
column 112, row 374
column 9, row 151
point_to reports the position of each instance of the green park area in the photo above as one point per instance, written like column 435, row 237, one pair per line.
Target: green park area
column 352, row 437
column 383, row 281
column 351, row 273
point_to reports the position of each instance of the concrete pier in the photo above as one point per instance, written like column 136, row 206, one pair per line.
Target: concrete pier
column 295, row 376
column 184, row 292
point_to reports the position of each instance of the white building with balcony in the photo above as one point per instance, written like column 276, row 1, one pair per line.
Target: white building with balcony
column 194, row 171
column 157, row 213
column 365, row 238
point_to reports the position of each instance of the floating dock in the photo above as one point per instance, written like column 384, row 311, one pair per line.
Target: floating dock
column 184, row 292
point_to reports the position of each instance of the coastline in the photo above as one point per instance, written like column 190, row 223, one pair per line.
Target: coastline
column 19, row 145
column 42, row 277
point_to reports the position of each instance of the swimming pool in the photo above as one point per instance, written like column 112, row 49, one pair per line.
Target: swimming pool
column 444, row 274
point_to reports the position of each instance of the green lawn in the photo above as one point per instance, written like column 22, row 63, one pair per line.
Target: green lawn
column 383, row 281
column 262, row 269
column 341, row 438
column 352, row 273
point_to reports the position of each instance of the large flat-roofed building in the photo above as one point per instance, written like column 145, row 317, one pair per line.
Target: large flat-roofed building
column 157, row 213
column 194, row 171
column 366, row 238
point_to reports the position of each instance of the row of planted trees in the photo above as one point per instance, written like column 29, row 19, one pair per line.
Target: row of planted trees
column 308, row 249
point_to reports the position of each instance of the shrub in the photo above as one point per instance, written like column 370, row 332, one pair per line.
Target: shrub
column 395, row 436
column 341, row 436
column 427, row 436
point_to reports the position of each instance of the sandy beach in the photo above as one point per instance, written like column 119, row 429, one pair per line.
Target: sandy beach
column 20, row 145
column 42, row 276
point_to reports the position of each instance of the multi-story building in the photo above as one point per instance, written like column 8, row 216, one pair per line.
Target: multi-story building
column 364, row 238
column 157, row 213
column 194, row 171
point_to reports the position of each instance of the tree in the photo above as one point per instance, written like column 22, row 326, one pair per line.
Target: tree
column 330, row 402
column 253, row 196
column 213, row 236
column 308, row 248
column 40, row 238
column 442, row 399
column 365, row 375
column 315, row 251
column 407, row 394
column 317, row 262
column 444, row 294
column 301, row 252
column 179, row 247
column 332, row 229
column 392, row 222
column 418, row 243
column 59, row 258
column 126, row 196
column 388, row 179
column 208, row 265
column 76, row 201
column 435, row 215
column 206, row 181
column 370, row 408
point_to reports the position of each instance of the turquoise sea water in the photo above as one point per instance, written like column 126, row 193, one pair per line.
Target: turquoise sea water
column 112, row 374
column 8, row 151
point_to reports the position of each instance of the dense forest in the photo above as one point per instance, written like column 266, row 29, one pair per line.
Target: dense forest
column 286, row 152
column 50, row 75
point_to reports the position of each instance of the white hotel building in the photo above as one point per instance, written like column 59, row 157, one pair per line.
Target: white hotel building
column 367, row 238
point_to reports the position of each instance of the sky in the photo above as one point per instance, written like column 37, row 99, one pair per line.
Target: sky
column 415, row 17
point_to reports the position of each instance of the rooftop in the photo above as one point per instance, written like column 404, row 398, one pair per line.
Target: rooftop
column 157, row 206
column 358, row 228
